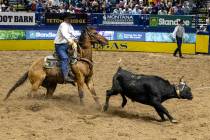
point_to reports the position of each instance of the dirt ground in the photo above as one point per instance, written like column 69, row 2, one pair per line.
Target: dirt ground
column 63, row 118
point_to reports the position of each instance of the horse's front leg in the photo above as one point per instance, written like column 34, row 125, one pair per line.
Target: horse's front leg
column 79, row 77
column 90, row 86
column 81, row 91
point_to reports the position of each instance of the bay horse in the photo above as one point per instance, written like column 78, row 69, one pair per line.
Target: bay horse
column 83, row 69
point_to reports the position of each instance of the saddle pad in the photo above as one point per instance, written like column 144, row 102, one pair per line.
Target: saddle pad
column 50, row 62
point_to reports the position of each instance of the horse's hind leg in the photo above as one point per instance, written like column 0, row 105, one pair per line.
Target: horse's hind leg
column 50, row 86
column 36, row 81
column 90, row 86
column 34, row 88
column 50, row 90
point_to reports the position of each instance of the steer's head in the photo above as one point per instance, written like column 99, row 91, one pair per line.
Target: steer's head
column 183, row 90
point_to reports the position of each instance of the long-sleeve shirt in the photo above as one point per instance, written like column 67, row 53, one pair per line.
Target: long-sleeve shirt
column 179, row 31
column 65, row 32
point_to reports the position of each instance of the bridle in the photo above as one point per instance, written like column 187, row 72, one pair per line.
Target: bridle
column 92, row 36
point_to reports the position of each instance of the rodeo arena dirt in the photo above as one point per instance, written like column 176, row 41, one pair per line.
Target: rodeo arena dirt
column 63, row 118
column 123, row 48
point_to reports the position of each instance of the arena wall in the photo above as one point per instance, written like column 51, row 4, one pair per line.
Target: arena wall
column 133, row 46
column 10, row 45
column 202, row 43
column 143, row 34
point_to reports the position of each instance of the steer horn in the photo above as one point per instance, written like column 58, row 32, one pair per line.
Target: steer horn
column 119, row 62
column 181, row 79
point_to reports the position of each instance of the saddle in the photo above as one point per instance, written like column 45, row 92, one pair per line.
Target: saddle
column 51, row 61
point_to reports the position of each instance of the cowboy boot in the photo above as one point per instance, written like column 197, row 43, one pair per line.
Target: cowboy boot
column 67, row 79
column 71, row 74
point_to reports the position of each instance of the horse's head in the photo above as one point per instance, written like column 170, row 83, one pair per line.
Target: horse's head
column 93, row 36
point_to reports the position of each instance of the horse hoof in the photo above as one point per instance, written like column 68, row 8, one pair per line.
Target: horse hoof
column 48, row 97
column 162, row 120
column 105, row 108
column 82, row 103
column 174, row 121
column 29, row 96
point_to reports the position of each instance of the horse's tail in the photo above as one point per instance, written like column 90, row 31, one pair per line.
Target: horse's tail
column 21, row 80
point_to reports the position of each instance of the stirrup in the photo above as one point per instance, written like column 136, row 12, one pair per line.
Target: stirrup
column 69, row 80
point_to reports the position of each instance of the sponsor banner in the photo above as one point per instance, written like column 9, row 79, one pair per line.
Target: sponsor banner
column 40, row 34
column 51, row 34
column 112, row 46
column 167, row 37
column 130, row 36
column 57, row 18
column 12, row 35
column 107, row 34
column 116, row 19
column 44, row 34
column 169, row 21
column 17, row 18
column 134, row 46
column 110, row 35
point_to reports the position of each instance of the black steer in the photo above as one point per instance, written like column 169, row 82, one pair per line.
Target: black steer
column 149, row 90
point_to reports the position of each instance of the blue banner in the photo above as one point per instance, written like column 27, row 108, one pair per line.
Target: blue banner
column 44, row 34
column 130, row 36
column 114, row 35
column 167, row 37
column 40, row 34
column 117, row 19
column 51, row 34
column 107, row 34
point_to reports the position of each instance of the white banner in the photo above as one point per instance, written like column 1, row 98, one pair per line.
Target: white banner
column 17, row 18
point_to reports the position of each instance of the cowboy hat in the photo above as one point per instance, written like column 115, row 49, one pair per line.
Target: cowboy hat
column 181, row 21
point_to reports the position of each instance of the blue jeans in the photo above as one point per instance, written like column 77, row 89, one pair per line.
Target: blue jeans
column 179, row 40
column 62, row 52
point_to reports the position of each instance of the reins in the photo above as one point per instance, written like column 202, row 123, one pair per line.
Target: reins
column 91, row 35
column 90, row 63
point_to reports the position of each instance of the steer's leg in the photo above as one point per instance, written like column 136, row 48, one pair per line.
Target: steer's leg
column 124, row 102
column 109, row 93
column 165, row 111
column 160, row 113
column 155, row 102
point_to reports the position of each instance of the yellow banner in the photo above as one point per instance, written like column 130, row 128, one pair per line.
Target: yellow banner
column 145, row 47
column 113, row 46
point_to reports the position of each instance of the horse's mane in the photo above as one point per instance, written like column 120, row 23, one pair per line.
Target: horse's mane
column 84, row 34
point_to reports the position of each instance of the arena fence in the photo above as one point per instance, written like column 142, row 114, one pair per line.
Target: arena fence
column 148, row 33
